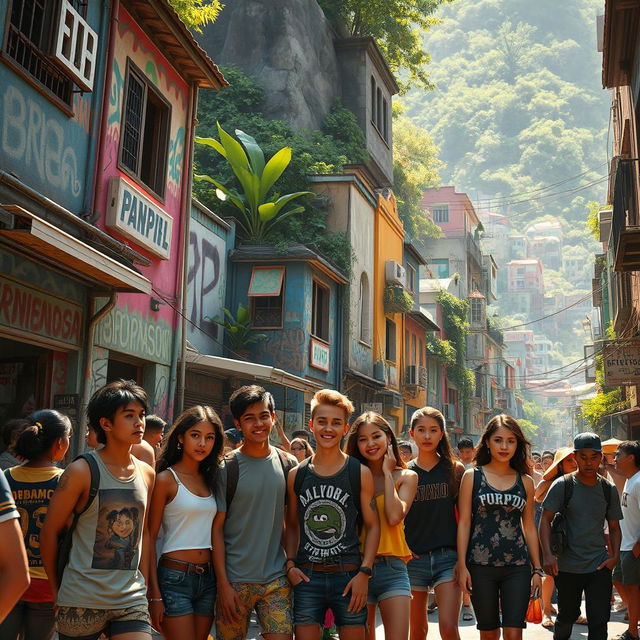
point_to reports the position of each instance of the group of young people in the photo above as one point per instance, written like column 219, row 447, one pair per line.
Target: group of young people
column 214, row 533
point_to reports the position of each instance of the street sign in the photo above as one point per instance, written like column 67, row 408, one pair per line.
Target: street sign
column 621, row 359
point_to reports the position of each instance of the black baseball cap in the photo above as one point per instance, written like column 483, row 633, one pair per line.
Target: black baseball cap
column 587, row 440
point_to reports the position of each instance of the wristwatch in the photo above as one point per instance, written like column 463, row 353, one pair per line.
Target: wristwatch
column 366, row 570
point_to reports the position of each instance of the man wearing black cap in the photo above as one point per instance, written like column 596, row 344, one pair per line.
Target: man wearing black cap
column 584, row 566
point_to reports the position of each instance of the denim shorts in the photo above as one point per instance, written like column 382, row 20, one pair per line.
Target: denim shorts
column 390, row 579
column 324, row 591
column 432, row 568
column 187, row 593
column 627, row 571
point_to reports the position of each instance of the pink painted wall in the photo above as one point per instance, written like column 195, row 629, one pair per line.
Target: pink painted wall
column 132, row 42
column 460, row 208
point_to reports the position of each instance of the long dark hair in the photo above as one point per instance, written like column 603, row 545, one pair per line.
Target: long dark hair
column 45, row 427
column 170, row 453
column 519, row 460
column 371, row 417
column 444, row 449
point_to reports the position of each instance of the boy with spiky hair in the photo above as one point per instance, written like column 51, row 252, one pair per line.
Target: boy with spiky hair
column 334, row 491
column 103, row 589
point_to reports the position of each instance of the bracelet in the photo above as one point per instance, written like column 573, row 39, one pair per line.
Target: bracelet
column 289, row 569
column 539, row 571
column 154, row 599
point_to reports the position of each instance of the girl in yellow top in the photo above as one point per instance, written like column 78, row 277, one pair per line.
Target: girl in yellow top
column 373, row 442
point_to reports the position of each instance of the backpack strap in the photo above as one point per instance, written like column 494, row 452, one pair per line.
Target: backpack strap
column 606, row 489
column 232, row 467
column 567, row 481
column 287, row 464
column 95, row 481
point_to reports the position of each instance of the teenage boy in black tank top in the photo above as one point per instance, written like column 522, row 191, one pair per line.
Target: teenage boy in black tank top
column 324, row 563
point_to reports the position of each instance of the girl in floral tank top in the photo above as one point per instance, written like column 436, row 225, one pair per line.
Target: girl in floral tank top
column 498, row 553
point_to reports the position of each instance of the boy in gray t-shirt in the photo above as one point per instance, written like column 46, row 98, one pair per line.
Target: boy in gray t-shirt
column 585, row 565
column 248, row 556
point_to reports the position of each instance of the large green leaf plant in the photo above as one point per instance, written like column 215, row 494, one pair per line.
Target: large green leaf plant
column 259, row 212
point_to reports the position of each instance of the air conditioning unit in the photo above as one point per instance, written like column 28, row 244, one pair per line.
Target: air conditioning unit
column 394, row 273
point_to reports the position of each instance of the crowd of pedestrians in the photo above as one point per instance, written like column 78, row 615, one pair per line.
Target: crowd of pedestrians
column 189, row 527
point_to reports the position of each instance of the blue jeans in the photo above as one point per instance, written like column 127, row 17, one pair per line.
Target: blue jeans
column 432, row 568
column 324, row 591
column 187, row 593
column 390, row 579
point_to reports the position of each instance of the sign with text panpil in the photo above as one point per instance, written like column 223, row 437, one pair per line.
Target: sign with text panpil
column 621, row 359
column 138, row 218
column 319, row 355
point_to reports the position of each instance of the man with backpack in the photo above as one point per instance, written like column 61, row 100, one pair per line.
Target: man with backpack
column 330, row 494
column 580, row 560
column 248, row 556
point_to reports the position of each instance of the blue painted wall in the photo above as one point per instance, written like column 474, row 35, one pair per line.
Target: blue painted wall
column 41, row 144
column 288, row 348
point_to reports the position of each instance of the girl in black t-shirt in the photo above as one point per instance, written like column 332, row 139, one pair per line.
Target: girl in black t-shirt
column 430, row 526
column 497, row 539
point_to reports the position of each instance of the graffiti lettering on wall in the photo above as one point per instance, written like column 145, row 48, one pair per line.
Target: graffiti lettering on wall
column 161, row 393
column 31, row 138
column 128, row 332
column 33, row 311
column 286, row 349
column 203, row 281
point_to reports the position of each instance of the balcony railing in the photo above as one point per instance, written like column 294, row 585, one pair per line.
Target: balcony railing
column 625, row 231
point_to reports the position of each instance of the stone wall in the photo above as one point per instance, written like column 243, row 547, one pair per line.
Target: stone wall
column 287, row 46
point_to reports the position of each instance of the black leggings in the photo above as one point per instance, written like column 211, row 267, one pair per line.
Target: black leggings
column 497, row 589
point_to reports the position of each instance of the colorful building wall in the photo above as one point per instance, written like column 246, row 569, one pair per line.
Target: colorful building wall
column 137, row 327
column 389, row 245
column 210, row 240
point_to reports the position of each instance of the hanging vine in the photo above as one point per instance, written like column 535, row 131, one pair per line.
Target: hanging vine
column 455, row 313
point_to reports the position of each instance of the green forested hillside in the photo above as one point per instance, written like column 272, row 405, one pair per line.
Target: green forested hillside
column 518, row 104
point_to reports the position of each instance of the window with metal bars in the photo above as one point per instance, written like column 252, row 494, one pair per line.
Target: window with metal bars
column 28, row 41
column 145, row 132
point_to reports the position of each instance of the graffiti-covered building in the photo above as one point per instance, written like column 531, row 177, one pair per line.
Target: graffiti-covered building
column 143, row 190
column 95, row 153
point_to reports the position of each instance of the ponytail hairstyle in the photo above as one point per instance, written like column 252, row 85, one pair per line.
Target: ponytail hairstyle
column 171, row 451
column 45, row 428
column 519, row 460
column 371, row 417
column 444, row 449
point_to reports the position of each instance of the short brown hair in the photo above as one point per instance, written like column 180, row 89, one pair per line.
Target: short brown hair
column 333, row 398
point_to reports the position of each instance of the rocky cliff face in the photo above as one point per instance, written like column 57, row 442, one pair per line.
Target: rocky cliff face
column 287, row 46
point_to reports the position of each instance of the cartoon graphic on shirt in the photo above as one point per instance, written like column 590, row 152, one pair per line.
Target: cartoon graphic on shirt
column 118, row 530
column 324, row 523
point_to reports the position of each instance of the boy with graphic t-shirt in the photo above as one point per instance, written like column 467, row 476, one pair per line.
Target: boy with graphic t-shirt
column 103, row 588
column 328, row 494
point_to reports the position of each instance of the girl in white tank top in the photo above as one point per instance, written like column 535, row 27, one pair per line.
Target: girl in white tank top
column 182, row 588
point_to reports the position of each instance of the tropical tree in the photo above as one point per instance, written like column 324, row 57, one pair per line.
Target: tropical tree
column 259, row 215
column 197, row 13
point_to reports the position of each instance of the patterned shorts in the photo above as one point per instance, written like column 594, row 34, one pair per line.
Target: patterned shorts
column 272, row 604
column 79, row 622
